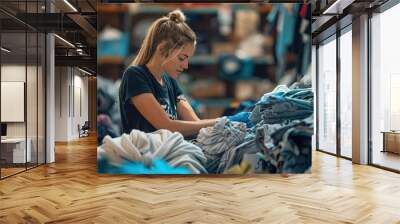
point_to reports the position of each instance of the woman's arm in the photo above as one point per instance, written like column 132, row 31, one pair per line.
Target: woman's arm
column 185, row 111
column 148, row 106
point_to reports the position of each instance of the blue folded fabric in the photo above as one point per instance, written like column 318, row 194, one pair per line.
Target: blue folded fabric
column 243, row 117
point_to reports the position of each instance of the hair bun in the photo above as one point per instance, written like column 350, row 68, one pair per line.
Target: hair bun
column 177, row 16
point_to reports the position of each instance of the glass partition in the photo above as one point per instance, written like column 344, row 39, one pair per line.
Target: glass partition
column 22, row 87
column 327, row 96
column 14, row 151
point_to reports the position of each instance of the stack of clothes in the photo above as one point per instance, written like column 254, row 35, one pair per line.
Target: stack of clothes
column 288, row 115
column 274, row 138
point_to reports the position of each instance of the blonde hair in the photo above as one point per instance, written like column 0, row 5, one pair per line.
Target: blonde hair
column 172, row 30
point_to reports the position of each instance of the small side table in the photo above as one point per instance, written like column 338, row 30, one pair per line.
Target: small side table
column 391, row 141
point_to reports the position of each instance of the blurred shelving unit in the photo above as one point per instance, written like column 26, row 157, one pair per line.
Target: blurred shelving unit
column 111, row 60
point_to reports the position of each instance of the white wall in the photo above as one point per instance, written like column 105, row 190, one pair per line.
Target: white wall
column 14, row 73
column 34, row 124
column 81, row 82
column 70, row 83
column 61, row 103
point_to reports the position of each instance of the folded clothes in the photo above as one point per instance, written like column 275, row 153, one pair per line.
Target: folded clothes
column 145, row 147
column 281, row 106
column 255, row 115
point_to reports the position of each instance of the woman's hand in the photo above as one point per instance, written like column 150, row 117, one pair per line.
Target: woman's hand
column 152, row 111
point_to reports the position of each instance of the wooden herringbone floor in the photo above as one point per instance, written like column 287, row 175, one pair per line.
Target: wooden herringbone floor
column 70, row 191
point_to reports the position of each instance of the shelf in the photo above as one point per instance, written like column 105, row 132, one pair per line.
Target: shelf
column 224, row 102
column 111, row 60
column 212, row 59
column 203, row 8
column 157, row 9
column 112, row 8
column 203, row 59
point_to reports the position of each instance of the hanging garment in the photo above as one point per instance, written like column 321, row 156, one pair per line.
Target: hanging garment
column 144, row 147
column 285, row 20
column 215, row 140
column 305, row 39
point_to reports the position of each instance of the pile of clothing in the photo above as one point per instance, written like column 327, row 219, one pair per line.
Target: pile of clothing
column 146, row 148
column 289, row 148
column 217, row 140
column 274, row 138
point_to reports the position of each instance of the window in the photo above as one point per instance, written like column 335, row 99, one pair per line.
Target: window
column 385, row 87
column 327, row 96
column 346, row 93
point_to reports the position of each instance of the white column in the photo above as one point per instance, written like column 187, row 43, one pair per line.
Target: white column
column 50, row 110
column 50, row 92
column 360, row 90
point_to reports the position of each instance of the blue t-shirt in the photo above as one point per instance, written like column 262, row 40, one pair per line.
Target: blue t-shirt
column 138, row 80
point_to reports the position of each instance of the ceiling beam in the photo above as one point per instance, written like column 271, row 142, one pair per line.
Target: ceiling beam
column 84, row 24
column 81, row 61
column 337, row 7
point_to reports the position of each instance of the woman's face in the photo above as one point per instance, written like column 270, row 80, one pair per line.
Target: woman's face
column 178, row 61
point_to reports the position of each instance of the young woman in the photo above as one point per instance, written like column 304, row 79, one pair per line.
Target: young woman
column 149, row 96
